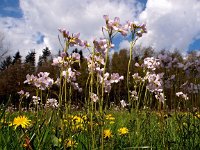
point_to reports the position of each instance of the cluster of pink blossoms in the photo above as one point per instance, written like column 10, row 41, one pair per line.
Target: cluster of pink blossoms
column 94, row 97
column 65, row 62
column 73, row 39
column 95, row 63
column 109, row 79
column 51, row 103
column 23, row 94
column 102, row 46
column 151, row 63
column 115, row 26
column 154, row 81
column 42, row 81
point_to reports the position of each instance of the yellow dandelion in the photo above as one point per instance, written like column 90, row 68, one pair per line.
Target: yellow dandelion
column 22, row 121
column 110, row 117
column 123, row 131
column 71, row 143
column 107, row 133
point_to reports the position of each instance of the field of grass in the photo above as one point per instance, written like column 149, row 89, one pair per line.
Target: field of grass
column 115, row 129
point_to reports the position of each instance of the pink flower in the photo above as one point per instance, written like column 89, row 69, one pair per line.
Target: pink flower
column 51, row 102
column 94, row 97
column 123, row 103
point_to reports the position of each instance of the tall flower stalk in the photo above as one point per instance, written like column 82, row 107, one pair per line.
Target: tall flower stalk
column 136, row 32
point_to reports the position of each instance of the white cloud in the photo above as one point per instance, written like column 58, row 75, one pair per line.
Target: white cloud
column 171, row 23
column 125, row 44
column 45, row 17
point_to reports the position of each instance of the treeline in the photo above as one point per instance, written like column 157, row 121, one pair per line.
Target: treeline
column 13, row 71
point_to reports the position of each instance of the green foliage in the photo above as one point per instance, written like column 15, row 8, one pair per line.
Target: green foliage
column 146, row 129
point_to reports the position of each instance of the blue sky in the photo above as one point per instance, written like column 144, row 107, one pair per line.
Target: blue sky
column 34, row 23
column 10, row 8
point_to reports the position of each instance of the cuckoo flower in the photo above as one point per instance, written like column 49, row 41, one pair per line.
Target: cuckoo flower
column 36, row 100
column 42, row 81
column 70, row 74
column 76, row 86
column 114, row 26
column 123, row 103
column 102, row 46
column 23, row 94
column 182, row 95
column 73, row 39
column 94, row 97
column 51, row 102
column 136, row 29
column 95, row 63
column 151, row 63
column 108, row 79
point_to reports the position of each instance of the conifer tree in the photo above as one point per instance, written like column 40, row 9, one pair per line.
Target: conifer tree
column 45, row 54
column 17, row 58
column 6, row 63
column 30, row 61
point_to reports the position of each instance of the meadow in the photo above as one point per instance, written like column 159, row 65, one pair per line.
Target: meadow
column 158, row 110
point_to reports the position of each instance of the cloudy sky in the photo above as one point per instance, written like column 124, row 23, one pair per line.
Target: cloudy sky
column 33, row 24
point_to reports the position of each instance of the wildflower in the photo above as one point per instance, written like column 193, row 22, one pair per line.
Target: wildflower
column 51, row 102
column 115, row 78
column 94, row 97
column 76, row 56
column 137, row 65
column 151, row 63
column 110, row 118
column 123, row 131
column 73, row 39
column 136, row 77
column 154, row 81
column 59, row 61
column 94, row 63
column 22, row 121
column 70, row 143
column 76, row 87
column 108, row 79
column 102, row 46
column 182, row 95
column 160, row 96
column 134, row 27
column 134, row 95
column 107, row 133
column 36, row 100
column 42, row 81
column 123, row 103
column 30, row 79
column 22, row 94
column 76, row 122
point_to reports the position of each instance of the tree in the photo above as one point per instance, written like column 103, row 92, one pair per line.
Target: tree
column 45, row 55
column 6, row 63
column 30, row 61
column 17, row 58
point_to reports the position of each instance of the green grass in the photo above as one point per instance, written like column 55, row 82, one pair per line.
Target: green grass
column 147, row 130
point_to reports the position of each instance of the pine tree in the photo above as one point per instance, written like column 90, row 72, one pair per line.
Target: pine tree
column 45, row 54
column 17, row 58
column 30, row 61
column 6, row 63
